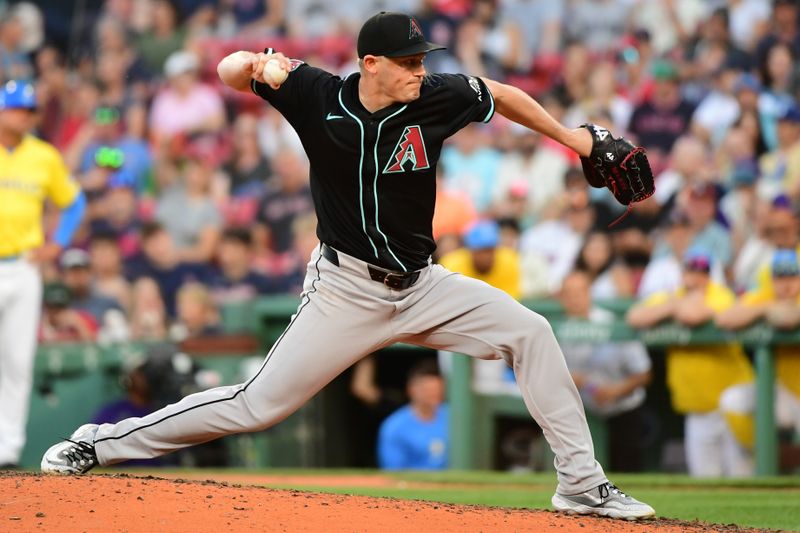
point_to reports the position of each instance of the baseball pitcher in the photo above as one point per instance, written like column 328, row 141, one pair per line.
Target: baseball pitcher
column 373, row 140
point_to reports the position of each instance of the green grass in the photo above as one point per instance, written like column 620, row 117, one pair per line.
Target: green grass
column 765, row 503
column 760, row 502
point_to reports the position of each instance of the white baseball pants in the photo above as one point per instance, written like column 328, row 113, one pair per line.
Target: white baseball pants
column 20, row 309
column 741, row 399
column 343, row 316
column 711, row 448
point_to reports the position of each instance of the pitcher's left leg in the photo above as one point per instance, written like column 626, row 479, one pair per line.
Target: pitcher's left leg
column 468, row 316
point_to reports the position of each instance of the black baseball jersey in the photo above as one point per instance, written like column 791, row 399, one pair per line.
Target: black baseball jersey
column 373, row 175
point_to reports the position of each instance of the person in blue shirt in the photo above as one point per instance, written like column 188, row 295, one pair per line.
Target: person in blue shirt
column 113, row 157
column 415, row 437
column 159, row 260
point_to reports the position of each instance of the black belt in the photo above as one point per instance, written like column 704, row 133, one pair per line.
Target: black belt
column 394, row 280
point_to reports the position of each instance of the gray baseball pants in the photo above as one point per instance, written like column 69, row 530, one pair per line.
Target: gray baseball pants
column 343, row 316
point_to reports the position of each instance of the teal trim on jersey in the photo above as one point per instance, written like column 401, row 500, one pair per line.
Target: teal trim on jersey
column 360, row 172
column 491, row 109
column 375, row 185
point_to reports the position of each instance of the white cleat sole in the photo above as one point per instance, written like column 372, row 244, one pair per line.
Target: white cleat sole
column 569, row 507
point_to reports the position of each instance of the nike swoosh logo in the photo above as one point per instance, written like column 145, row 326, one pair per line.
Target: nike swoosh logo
column 331, row 116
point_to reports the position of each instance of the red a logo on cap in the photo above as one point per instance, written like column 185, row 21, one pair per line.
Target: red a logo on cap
column 410, row 147
column 414, row 30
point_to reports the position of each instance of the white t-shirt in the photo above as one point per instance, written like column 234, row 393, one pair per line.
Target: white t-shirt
column 606, row 363
column 654, row 18
column 557, row 243
column 743, row 20
column 543, row 173
column 660, row 274
column 716, row 113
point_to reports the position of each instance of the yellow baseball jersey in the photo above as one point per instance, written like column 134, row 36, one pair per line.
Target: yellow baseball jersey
column 764, row 277
column 30, row 173
column 697, row 375
column 504, row 275
column 787, row 358
column 770, row 162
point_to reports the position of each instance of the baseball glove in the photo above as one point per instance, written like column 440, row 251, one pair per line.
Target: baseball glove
column 619, row 165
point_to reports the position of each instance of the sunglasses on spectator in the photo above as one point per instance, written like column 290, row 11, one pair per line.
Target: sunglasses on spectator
column 777, row 230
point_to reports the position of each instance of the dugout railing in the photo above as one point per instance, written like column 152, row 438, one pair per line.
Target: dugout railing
column 78, row 374
column 472, row 413
column 468, row 408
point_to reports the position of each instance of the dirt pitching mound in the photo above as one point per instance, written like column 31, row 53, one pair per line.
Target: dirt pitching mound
column 34, row 502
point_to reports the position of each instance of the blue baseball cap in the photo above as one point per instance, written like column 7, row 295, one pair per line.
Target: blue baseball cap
column 747, row 82
column 784, row 263
column 482, row 234
column 17, row 95
column 744, row 173
column 790, row 114
column 697, row 259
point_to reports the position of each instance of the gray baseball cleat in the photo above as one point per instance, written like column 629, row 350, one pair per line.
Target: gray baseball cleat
column 74, row 455
column 603, row 500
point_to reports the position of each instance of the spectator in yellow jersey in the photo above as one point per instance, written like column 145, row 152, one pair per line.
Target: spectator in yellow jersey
column 482, row 258
column 696, row 374
column 31, row 171
column 782, row 231
column 779, row 306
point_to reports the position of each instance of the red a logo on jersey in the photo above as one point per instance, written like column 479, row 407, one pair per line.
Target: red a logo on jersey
column 410, row 147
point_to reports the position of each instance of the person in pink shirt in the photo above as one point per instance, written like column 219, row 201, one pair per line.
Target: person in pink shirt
column 185, row 106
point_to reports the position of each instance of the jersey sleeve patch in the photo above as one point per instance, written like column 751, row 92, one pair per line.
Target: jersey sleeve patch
column 265, row 91
column 476, row 86
column 472, row 102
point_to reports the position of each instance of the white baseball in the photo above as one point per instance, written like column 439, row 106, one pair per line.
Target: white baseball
column 273, row 72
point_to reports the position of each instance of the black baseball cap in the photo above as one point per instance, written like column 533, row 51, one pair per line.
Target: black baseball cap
column 393, row 35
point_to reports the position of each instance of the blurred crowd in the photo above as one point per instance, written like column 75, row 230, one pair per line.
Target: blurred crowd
column 199, row 197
